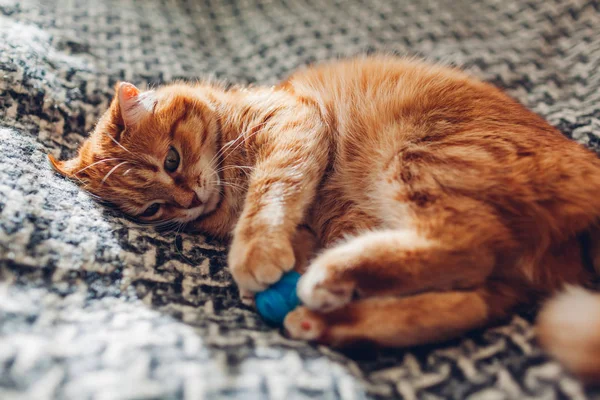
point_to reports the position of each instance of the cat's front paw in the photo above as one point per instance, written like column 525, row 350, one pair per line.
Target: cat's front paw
column 259, row 262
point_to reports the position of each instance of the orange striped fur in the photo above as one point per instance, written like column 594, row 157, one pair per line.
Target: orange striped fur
column 421, row 202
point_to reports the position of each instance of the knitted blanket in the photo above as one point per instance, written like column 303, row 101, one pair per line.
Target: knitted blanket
column 95, row 307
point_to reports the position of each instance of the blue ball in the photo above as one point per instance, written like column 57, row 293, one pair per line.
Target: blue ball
column 277, row 301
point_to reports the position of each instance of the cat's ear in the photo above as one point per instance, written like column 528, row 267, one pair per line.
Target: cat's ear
column 133, row 104
column 66, row 168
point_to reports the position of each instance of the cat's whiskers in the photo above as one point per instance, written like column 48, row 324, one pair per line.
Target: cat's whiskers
column 96, row 163
column 224, row 148
column 117, row 143
column 168, row 227
column 231, row 143
column 81, row 183
column 258, row 128
column 180, row 228
column 245, row 170
column 241, row 167
column 229, row 184
column 153, row 224
column 112, row 170
column 94, row 196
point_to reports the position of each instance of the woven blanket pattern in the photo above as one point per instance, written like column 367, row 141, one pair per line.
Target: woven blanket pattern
column 94, row 307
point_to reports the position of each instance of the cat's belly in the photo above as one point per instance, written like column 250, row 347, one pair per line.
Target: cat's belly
column 334, row 216
column 354, row 200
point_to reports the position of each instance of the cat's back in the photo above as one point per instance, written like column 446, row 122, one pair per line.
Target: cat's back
column 383, row 75
column 382, row 89
column 391, row 101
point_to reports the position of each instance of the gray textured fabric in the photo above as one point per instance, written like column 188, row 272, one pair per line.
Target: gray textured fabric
column 93, row 307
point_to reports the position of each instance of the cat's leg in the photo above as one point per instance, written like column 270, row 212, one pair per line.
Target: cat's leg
column 403, row 322
column 401, row 262
column 305, row 245
column 291, row 158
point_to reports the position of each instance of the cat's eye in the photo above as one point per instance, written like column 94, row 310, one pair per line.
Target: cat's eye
column 151, row 210
column 172, row 160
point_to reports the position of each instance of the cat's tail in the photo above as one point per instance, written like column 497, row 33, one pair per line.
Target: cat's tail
column 568, row 327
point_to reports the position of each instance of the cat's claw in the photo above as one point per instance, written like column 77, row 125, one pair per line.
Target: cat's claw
column 321, row 293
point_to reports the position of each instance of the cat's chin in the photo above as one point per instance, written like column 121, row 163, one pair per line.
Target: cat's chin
column 213, row 202
column 192, row 214
column 211, row 205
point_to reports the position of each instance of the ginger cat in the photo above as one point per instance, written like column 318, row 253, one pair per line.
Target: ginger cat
column 435, row 204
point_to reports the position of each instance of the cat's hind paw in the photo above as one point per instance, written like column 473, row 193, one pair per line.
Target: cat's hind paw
column 321, row 292
column 247, row 298
column 304, row 324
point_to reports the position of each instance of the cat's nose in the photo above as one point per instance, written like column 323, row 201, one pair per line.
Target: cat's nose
column 185, row 199
column 195, row 201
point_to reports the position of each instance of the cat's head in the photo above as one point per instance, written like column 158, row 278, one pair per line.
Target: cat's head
column 152, row 154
